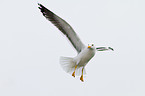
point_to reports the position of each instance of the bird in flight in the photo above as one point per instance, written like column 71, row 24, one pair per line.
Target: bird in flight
column 76, row 65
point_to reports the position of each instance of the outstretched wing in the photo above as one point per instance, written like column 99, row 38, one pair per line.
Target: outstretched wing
column 64, row 27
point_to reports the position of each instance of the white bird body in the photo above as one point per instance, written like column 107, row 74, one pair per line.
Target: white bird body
column 80, row 60
column 84, row 56
column 76, row 65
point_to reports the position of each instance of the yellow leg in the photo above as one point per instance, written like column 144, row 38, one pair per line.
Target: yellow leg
column 81, row 78
column 73, row 74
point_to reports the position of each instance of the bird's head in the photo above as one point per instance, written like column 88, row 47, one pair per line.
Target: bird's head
column 91, row 46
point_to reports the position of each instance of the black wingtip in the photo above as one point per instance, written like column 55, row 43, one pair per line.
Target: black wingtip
column 39, row 7
column 39, row 4
column 44, row 10
column 111, row 48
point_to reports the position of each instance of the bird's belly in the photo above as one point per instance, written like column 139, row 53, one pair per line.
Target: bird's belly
column 85, row 56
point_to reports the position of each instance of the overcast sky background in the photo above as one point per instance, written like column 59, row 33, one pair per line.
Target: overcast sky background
column 30, row 47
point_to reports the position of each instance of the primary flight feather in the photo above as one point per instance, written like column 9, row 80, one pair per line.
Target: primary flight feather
column 76, row 65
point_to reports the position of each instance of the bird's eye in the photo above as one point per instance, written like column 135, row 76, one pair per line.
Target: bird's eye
column 92, row 44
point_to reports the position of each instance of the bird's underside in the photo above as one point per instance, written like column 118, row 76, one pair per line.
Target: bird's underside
column 76, row 65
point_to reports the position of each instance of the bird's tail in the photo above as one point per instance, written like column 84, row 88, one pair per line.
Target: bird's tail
column 68, row 65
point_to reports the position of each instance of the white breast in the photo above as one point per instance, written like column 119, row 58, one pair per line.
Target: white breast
column 84, row 57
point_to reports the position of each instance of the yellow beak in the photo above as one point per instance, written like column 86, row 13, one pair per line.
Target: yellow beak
column 89, row 46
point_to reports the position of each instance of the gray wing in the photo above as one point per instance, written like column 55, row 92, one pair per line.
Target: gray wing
column 64, row 27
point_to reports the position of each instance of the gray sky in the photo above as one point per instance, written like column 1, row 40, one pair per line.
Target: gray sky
column 30, row 48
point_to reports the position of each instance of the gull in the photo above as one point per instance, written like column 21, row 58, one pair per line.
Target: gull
column 75, row 65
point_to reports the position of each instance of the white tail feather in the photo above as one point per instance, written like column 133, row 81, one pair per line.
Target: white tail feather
column 68, row 65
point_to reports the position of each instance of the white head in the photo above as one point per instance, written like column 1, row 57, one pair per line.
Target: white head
column 91, row 46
